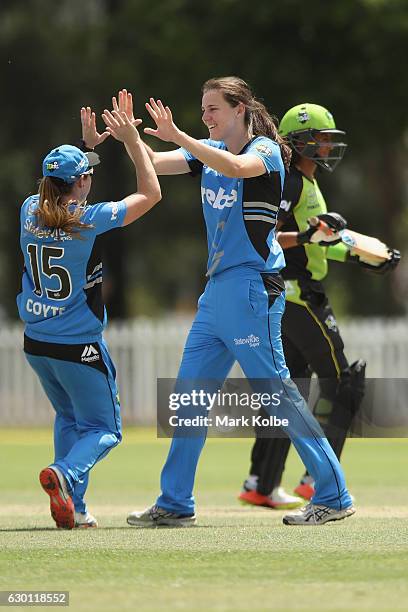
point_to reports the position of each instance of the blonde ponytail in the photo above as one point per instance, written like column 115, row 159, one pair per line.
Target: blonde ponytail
column 53, row 213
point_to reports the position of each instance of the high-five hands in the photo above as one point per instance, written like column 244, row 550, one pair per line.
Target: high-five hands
column 124, row 104
column 121, row 119
column 90, row 135
column 166, row 129
column 120, row 127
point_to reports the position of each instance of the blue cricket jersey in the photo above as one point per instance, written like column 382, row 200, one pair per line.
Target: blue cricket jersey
column 241, row 214
column 61, row 297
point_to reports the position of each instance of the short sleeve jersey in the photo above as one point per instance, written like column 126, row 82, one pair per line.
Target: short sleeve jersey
column 241, row 214
column 61, row 296
column 302, row 199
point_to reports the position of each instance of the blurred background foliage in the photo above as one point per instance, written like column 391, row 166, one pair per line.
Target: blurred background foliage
column 348, row 55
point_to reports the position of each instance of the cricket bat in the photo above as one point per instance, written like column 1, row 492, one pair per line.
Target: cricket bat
column 368, row 248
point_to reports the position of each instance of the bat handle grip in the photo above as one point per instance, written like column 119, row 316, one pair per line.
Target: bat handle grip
column 321, row 225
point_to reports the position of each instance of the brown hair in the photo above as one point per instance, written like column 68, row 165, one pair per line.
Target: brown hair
column 257, row 117
column 53, row 213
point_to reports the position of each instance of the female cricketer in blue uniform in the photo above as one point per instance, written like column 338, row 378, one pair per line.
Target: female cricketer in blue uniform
column 61, row 306
column 239, row 315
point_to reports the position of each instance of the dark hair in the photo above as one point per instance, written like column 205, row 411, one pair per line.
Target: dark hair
column 257, row 117
column 52, row 213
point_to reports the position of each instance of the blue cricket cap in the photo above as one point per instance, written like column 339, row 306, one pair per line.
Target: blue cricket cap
column 68, row 163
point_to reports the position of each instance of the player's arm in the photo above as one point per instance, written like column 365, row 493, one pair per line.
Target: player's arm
column 148, row 188
column 228, row 164
column 167, row 162
column 287, row 240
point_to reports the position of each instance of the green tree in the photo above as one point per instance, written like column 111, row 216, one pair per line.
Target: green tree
column 345, row 54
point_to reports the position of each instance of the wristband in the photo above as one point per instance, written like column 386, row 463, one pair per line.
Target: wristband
column 304, row 237
column 83, row 147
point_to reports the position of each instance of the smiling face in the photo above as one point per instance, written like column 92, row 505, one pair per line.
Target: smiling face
column 221, row 119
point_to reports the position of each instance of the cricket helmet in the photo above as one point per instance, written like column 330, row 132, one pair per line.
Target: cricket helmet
column 302, row 123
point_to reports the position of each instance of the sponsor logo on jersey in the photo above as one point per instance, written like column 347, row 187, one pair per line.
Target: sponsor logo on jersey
column 331, row 323
column 252, row 340
column 263, row 148
column 90, row 354
column 115, row 210
column 285, row 205
column 220, row 199
column 312, row 199
column 44, row 233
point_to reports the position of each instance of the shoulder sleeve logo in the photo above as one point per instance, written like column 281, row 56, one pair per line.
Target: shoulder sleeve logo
column 285, row 205
column 263, row 148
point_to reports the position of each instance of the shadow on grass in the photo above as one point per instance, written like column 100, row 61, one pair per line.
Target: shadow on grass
column 33, row 529
column 124, row 527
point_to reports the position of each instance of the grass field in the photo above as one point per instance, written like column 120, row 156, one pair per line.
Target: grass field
column 237, row 558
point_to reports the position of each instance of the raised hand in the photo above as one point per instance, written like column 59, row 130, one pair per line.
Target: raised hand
column 166, row 129
column 124, row 104
column 120, row 127
column 90, row 135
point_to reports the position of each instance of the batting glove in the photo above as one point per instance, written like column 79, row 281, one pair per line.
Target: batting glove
column 378, row 268
column 323, row 229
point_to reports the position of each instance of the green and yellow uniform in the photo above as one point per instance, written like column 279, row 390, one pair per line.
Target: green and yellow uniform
column 310, row 335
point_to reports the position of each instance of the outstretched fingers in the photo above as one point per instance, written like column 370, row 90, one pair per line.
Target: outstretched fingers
column 114, row 118
column 123, row 102
column 152, row 112
column 165, row 128
column 115, row 104
column 119, row 125
column 155, row 105
column 90, row 133
column 169, row 114
column 85, row 116
column 162, row 109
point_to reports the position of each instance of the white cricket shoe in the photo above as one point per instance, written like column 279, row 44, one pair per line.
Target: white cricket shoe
column 84, row 520
column 156, row 516
column 280, row 499
column 313, row 514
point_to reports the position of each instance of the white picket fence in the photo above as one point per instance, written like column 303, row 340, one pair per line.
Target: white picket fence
column 144, row 350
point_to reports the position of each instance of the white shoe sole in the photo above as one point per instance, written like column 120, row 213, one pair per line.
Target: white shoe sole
column 135, row 521
column 335, row 516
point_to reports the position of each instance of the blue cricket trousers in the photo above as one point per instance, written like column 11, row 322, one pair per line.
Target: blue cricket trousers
column 80, row 384
column 237, row 321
